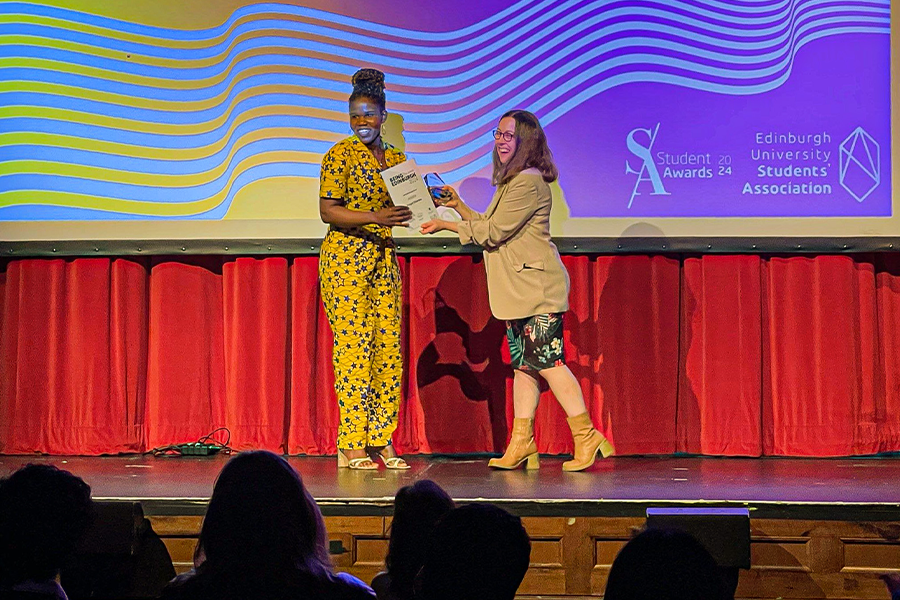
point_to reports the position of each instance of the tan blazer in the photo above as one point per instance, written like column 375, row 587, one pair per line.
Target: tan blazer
column 525, row 275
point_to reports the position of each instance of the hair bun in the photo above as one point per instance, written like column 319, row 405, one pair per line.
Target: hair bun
column 367, row 78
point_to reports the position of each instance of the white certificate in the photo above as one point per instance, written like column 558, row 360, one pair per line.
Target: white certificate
column 407, row 188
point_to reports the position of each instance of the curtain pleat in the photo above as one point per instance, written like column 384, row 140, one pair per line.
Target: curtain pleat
column 879, row 417
column 719, row 355
column 457, row 377
column 820, row 351
column 632, row 333
column 313, row 408
column 186, row 357
column 255, row 305
column 73, row 345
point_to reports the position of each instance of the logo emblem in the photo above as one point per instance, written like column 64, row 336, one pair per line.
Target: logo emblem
column 860, row 164
column 648, row 170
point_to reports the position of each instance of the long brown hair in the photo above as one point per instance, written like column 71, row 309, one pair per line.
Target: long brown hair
column 261, row 524
column 532, row 151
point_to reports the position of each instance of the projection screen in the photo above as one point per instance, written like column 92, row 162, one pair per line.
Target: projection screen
column 171, row 120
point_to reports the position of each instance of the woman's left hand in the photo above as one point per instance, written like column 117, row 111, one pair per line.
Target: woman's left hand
column 433, row 226
column 448, row 198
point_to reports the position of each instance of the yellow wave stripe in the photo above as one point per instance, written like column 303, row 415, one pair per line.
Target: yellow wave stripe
column 92, row 119
column 118, row 149
column 67, row 91
column 163, row 83
column 175, row 129
column 169, row 14
column 156, row 180
column 70, row 91
column 8, row 111
column 149, row 40
column 155, row 61
column 141, row 207
column 284, row 197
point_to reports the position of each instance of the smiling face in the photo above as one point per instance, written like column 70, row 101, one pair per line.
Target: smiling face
column 506, row 148
column 366, row 117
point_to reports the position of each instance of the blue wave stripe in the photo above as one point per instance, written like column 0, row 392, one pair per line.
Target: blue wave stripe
column 132, row 164
column 484, row 58
column 549, row 91
column 147, row 115
column 546, row 24
column 126, row 191
column 186, row 95
column 738, row 79
column 164, row 33
column 553, row 92
column 477, row 33
column 155, row 140
column 573, row 66
column 40, row 212
column 424, row 100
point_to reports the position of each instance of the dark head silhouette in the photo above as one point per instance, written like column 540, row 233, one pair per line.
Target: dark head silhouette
column 661, row 564
column 262, row 522
column 44, row 512
column 478, row 551
column 263, row 537
column 417, row 508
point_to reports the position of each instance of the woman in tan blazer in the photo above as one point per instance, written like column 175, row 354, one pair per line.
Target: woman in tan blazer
column 528, row 285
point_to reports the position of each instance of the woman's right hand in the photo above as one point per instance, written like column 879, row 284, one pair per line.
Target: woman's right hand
column 448, row 198
column 393, row 216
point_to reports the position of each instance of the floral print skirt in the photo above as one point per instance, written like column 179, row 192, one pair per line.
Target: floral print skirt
column 536, row 343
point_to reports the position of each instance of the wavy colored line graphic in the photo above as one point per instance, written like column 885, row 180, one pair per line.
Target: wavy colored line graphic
column 102, row 118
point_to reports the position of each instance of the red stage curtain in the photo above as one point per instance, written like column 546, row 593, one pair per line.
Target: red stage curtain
column 727, row 355
column 186, row 365
column 822, row 353
column 73, row 346
column 720, row 356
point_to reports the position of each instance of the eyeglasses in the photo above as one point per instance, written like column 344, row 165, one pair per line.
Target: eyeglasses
column 506, row 135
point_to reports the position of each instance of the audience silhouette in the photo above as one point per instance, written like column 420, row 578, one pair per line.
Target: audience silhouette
column 417, row 508
column 477, row 552
column 892, row 581
column 44, row 512
column 263, row 537
column 664, row 564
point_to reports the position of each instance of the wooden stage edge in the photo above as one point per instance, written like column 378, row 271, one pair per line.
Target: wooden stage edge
column 820, row 528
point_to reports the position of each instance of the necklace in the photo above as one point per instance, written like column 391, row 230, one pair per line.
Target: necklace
column 377, row 150
column 379, row 156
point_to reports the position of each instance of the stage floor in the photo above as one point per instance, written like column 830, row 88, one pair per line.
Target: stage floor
column 845, row 489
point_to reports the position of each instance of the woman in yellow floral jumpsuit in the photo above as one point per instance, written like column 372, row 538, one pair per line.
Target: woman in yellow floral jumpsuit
column 360, row 280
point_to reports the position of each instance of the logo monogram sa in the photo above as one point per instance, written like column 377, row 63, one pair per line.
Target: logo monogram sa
column 648, row 170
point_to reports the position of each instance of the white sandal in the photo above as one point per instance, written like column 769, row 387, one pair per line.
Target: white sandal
column 392, row 462
column 358, row 464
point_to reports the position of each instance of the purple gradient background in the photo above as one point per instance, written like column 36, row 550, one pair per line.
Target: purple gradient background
column 421, row 16
column 837, row 84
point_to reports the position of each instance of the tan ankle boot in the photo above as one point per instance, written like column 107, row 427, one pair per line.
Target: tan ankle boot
column 588, row 441
column 521, row 447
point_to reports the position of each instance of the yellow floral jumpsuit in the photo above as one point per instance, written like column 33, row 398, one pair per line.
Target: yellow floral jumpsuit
column 360, row 282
